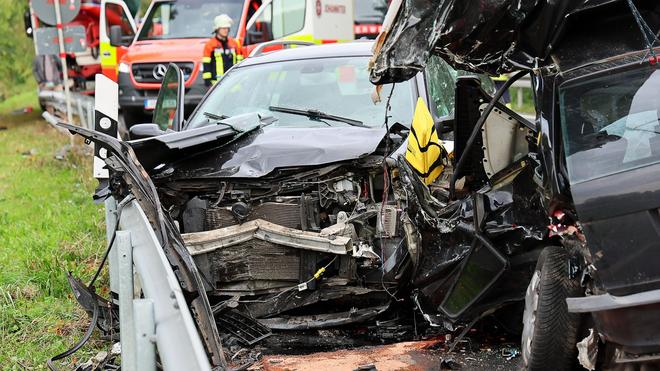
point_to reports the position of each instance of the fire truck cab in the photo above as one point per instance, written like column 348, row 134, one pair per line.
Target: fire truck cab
column 176, row 31
column 171, row 31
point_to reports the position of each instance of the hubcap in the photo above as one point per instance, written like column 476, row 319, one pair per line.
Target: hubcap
column 529, row 317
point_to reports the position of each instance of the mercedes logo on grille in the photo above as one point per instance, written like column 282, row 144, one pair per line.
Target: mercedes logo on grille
column 159, row 71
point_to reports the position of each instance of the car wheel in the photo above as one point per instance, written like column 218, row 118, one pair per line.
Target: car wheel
column 550, row 332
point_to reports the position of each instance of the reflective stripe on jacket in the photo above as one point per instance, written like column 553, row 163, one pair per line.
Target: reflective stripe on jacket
column 219, row 56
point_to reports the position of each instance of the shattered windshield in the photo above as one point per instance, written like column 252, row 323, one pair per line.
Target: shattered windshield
column 333, row 86
column 184, row 19
column 611, row 123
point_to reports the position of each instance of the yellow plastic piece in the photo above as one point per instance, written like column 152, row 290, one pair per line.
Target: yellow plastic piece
column 425, row 153
column 318, row 273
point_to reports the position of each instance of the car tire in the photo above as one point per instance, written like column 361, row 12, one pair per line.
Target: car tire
column 550, row 332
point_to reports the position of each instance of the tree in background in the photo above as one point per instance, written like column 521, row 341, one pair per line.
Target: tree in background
column 16, row 49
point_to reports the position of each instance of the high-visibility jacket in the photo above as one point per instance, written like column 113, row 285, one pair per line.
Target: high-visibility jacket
column 502, row 77
column 219, row 56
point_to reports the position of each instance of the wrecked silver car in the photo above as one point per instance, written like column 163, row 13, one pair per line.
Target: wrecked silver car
column 594, row 70
column 289, row 203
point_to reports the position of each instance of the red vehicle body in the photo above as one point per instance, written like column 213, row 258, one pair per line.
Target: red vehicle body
column 83, row 66
column 172, row 32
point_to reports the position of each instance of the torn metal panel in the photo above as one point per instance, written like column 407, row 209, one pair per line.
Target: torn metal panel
column 504, row 141
column 275, row 304
column 245, row 328
column 205, row 242
column 504, row 222
column 108, row 316
column 320, row 321
column 489, row 36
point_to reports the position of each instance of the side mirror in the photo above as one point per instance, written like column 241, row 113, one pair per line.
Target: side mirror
column 445, row 124
column 253, row 37
column 168, row 113
column 116, row 36
column 141, row 131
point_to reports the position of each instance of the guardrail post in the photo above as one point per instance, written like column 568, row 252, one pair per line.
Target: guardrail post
column 145, row 331
column 177, row 339
column 126, row 319
column 90, row 114
column 110, row 223
column 81, row 113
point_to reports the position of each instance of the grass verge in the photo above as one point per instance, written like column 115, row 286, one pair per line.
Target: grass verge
column 27, row 97
column 48, row 226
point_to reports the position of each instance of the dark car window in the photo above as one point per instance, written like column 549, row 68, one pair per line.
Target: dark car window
column 188, row 19
column 337, row 86
column 116, row 15
column 611, row 123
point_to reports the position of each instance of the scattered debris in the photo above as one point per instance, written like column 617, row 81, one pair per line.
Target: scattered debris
column 588, row 351
column 22, row 111
column 449, row 364
column 103, row 361
column 29, row 153
column 367, row 367
column 510, row 353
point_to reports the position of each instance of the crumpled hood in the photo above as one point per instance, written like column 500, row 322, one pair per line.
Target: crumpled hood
column 220, row 151
column 178, row 50
column 491, row 36
column 276, row 147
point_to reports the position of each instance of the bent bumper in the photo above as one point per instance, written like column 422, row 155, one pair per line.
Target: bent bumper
column 632, row 321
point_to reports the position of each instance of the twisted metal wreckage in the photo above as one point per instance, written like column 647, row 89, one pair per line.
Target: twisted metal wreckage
column 367, row 230
column 339, row 233
column 595, row 77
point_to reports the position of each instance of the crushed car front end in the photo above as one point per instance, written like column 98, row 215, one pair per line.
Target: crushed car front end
column 280, row 221
column 593, row 66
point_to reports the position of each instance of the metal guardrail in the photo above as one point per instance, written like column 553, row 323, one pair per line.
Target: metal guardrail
column 161, row 319
column 81, row 105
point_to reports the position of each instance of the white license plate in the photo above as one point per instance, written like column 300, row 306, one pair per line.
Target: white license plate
column 149, row 103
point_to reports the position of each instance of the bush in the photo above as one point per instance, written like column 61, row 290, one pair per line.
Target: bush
column 16, row 49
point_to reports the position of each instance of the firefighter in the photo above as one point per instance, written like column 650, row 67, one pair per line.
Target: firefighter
column 221, row 52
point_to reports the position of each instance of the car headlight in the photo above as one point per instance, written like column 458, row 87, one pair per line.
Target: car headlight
column 124, row 68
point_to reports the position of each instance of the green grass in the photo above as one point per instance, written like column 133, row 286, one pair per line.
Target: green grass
column 48, row 226
column 528, row 101
column 27, row 97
